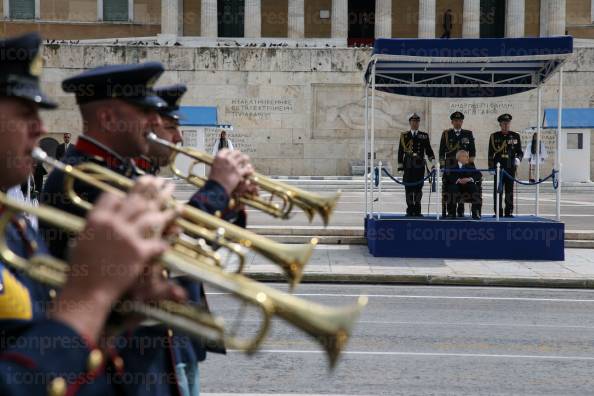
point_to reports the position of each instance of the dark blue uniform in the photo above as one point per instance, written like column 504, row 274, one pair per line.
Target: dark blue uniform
column 156, row 366
column 505, row 148
column 411, row 159
column 38, row 356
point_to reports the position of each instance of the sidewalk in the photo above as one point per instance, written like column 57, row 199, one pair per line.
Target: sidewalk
column 352, row 263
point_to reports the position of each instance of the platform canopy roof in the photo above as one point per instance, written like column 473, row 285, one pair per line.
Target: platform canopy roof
column 201, row 116
column 571, row 118
column 465, row 68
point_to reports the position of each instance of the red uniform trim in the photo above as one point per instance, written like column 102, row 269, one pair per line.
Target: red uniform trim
column 91, row 149
column 18, row 358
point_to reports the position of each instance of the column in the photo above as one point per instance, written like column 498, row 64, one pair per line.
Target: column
column 426, row 18
column 557, row 18
column 253, row 19
column 296, row 27
column 515, row 20
column 171, row 17
column 544, row 17
column 383, row 18
column 340, row 19
column 209, row 26
column 471, row 19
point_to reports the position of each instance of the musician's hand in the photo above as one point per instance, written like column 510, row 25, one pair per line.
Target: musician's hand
column 121, row 237
column 230, row 168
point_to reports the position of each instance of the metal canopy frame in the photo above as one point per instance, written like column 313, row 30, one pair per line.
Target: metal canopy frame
column 527, row 72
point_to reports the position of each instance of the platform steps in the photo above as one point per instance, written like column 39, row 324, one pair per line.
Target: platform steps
column 354, row 235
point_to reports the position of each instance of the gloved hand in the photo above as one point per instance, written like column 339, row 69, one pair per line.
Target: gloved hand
column 518, row 162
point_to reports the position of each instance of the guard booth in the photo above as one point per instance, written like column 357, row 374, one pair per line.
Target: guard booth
column 195, row 121
column 574, row 144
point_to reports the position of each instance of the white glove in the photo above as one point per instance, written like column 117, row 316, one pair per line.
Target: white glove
column 433, row 162
column 518, row 161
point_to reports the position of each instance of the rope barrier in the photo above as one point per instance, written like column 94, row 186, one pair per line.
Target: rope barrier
column 402, row 183
column 504, row 173
column 554, row 176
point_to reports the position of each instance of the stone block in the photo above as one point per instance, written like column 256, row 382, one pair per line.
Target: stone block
column 65, row 56
column 177, row 58
column 321, row 60
column 251, row 59
column 343, row 61
column 295, row 60
column 206, row 58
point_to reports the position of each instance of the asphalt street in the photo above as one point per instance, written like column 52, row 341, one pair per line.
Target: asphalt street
column 423, row 341
column 577, row 209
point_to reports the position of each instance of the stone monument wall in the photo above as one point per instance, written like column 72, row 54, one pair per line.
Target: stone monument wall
column 300, row 111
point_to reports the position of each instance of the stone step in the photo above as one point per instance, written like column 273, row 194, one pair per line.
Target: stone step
column 322, row 240
column 354, row 235
column 579, row 244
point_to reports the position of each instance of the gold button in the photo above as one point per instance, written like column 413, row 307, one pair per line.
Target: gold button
column 165, row 274
column 118, row 363
column 52, row 293
column 218, row 214
column 170, row 333
column 57, row 387
column 95, row 360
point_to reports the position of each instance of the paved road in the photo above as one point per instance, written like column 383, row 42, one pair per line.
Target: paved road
column 577, row 208
column 426, row 341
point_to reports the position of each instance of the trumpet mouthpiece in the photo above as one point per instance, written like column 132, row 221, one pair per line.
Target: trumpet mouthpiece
column 39, row 154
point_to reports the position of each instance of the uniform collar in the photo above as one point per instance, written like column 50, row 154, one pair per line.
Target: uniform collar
column 457, row 131
column 146, row 165
column 415, row 132
column 460, row 164
column 93, row 148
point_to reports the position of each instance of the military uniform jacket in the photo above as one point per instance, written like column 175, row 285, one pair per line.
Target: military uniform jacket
column 35, row 347
column 411, row 154
column 504, row 149
column 158, row 360
column 451, row 143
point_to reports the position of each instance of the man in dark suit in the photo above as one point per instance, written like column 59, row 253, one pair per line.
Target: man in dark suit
column 61, row 149
column 463, row 185
column 453, row 140
column 414, row 146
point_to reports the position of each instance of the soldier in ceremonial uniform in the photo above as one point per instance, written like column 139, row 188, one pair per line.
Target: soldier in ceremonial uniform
column 414, row 146
column 119, row 108
column 160, row 156
column 505, row 148
column 50, row 339
column 453, row 140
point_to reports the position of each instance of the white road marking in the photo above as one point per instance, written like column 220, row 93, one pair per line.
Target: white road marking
column 429, row 354
column 407, row 297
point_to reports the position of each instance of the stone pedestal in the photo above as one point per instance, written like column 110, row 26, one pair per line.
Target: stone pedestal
column 383, row 18
column 471, row 19
column 296, row 26
column 426, row 18
column 253, row 18
column 209, row 19
column 515, row 18
column 340, row 19
column 556, row 25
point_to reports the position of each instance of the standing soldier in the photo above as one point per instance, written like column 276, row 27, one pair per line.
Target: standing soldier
column 452, row 141
column 413, row 147
column 505, row 148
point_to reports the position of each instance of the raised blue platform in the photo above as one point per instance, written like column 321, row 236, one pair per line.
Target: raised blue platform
column 519, row 238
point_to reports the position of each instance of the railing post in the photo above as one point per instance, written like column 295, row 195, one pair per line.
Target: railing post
column 497, row 197
column 379, row 190
column 437, row 190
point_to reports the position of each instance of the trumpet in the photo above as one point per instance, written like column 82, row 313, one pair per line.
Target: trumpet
column 291, row 258
column 289, row 195
column 330, row 326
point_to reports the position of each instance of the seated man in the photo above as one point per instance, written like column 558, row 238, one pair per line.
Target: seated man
column 462, row 185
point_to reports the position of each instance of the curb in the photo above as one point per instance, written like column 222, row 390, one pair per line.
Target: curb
column 433, row 280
